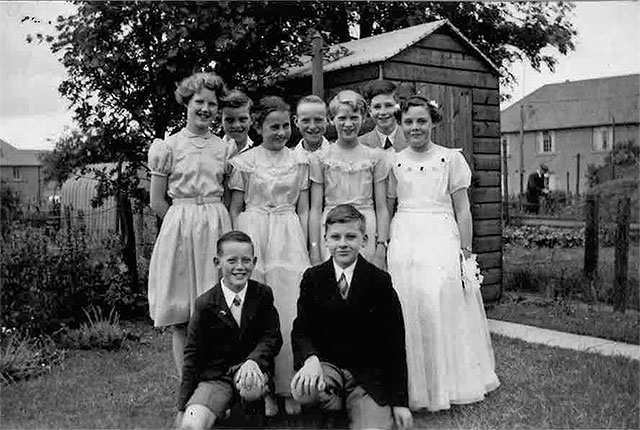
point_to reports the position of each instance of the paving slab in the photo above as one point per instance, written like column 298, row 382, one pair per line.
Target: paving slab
column 564, row 340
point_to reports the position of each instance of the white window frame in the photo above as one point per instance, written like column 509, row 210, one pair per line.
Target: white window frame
column 598, row 139
column 540, row 141
column 16, row 173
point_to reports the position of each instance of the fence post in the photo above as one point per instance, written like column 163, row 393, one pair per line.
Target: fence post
column 578, row 175
column 67, row 222
column 505, row 183
column 621, row 264
column 591, row 237
column 128, row 238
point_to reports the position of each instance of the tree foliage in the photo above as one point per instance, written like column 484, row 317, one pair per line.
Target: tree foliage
column 124, row 59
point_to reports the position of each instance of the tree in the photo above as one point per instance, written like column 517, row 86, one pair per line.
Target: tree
column 124, row 58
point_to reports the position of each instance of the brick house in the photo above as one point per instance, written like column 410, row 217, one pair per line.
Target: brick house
column 569, row 126
column 21, row 170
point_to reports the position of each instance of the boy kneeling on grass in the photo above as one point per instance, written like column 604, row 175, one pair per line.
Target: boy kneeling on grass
column 348, row 337
column 232, row 339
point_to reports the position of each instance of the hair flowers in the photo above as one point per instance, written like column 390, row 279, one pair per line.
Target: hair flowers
column 434, row 104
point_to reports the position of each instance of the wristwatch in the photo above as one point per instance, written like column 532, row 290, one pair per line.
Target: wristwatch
column 384, row 243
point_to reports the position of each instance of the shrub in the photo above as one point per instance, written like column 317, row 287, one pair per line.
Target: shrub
column 98, row 333
column 543, row 236
column 23, row 357
column 48, row 281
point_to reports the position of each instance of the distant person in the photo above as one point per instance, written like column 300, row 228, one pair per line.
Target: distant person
column 348, row 336
column 188, row 166
column 272, row 183
column 449, row 354
column 233, row 338
column 536, row 187
column 236, row 120
column 383, row 108
column 311, row 120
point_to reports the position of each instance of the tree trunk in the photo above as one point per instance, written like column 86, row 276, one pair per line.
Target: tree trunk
column 366, row 20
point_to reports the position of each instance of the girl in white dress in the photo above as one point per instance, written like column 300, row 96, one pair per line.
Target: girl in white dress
column 352, row 173
column 272, row 182
column 189, row 166
column 449, row 353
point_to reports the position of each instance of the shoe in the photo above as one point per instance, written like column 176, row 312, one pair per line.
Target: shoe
column 270, row 405
column 292, row 407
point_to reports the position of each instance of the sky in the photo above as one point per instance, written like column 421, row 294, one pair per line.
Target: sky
column 33, row 114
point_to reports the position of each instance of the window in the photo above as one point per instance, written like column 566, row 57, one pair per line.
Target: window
column 602, row 139
column 16, row 173
column 546, row 141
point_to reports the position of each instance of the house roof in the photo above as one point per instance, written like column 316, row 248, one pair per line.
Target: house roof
column 10, row 156
column 586, row 103
column 381, row 47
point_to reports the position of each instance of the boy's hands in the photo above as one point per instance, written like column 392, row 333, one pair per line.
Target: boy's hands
column 249, row 376
column 403, row 417
column 309, row 378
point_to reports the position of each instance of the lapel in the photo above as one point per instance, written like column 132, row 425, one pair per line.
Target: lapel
column 250, row 306
column 328, row 280
column 358, row 281
column 220, row 307
column 399, row 143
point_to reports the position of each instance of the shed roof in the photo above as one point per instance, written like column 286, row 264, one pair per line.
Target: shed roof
column 585, row 103
column 381, row 47
column 10, row 156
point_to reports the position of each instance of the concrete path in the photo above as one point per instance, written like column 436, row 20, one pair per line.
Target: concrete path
column 564, row 340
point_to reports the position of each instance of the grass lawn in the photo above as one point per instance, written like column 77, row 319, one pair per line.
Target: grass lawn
column 572, row 317
column 542, row 387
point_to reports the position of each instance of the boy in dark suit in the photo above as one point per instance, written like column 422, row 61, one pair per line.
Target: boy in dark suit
column 383, row 106
column 233, row 337
column 348, row 336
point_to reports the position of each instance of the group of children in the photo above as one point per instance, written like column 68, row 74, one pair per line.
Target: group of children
column 319, row 224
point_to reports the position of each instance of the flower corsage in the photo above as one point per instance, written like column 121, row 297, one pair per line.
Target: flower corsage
column 471, row 276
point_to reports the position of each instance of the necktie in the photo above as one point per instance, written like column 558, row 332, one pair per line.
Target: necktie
column 343, row 286
column 236, row 311
column 387, row 143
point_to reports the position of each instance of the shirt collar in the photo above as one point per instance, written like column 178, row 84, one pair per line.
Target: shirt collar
column 324, row 143
column 348, row 272
column 246, row 147
column 229, row 295
column 391, row 136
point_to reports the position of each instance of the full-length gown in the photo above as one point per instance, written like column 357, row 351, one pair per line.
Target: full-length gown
column 272, row 182
column 449, row 354
column 181, row 266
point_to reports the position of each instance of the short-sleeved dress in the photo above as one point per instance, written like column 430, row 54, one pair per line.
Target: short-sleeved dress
column 271, row 182
column 181, row 266
column 348, row 177
column 449, row 354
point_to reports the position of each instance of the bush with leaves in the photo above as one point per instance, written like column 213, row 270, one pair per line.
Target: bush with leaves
column 48, row 281
column 543, row 236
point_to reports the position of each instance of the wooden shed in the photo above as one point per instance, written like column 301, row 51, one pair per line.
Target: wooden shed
column 435, row 60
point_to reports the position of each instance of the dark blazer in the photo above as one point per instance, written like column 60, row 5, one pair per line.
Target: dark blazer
column 373, row 140
column 364, row 334
column 216, row 347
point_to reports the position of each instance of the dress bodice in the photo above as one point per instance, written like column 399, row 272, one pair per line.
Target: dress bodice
column 425, row 181
column 270, row 180
column 348, row 175
column 194, row 165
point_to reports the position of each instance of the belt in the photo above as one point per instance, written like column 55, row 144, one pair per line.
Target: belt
column 271, row 210
column 198, row 200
